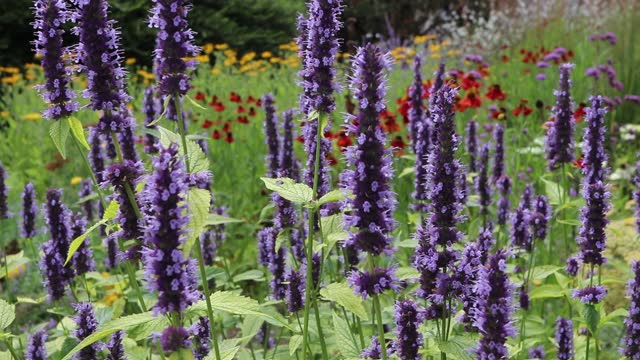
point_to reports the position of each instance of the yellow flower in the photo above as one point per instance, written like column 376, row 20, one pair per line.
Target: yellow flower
column 10, row 70
column 145, row 74
column 434, row 47
column 76, row 180
column 435, row 56
column 4, row 114
column 247, row 57
column 131, row 61
column 17, row 271
column 208, row 48
column 229, row 53
column 215, row 71
column 110, row 298
column 32, row 116
column 421, row 39
column 454, row 52
column 11, row 79
column 202, row 58
column 222, row 46
column 275, row 60
column 230, row 61
column 266, row 54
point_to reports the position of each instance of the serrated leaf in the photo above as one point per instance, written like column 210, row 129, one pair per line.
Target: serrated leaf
column 7, row 314
column 591, row 318
column 406, row 273
column 295, row 192
column 250, row 327
column 124, row 323
column 181, row 354
column 546, row 292
column 332, row 196
column 614, row 314
column 253, row 275
column 343, row 295
column 78, row 132
column 77, row 242
column 198, row 203
column 165, row 106
column 215, row 219
column 198, row 161
column 344, row 337
column 59, row 132
column 553, row 190
column 543, row 271
column 282, row 238
column 194, row 103
column 14, row 263
column 111, row 211
column 458, row 347
column 294, row 343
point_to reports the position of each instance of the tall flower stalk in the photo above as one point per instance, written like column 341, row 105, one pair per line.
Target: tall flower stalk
column 631, row 341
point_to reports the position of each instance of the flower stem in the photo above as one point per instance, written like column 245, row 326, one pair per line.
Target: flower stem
column 205, row 288
column 383, row 342
column 90, row 170
column 183, row 134
column 134, row 282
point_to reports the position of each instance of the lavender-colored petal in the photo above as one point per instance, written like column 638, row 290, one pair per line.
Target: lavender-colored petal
column 559, row 140
column 29, row 212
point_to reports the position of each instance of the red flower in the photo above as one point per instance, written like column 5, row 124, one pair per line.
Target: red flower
column 259, row 102
column 471, row 100
column 229, row 138
column 251, row 99
column 522, row 109
column 226, row 127
column 504, row 58
column 580, row 112
column 252, row 111
column 207, row 124
column 243, row 120
column 300, row 139
column 397, row 142
column 579, row 163
column 216, row 135
column 495, row 93
column 235, row 97
column 469, row 82
column 200, row 96
column 331, row 159
column 328, row 134
column 240, row 109
column 219, row 107
column 391, row 126
column 499, row 114
column 343, row 141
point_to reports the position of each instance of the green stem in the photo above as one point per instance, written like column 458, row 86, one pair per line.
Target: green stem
column 323, row 345
column 205, row 287
column 86, row 286
column 183, row 135
column 85, row 160
column 12, row 350
column 134, row 282
column 383, row 342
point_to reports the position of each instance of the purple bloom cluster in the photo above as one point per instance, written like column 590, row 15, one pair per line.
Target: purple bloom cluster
column 321, row 47
column 127, row 139
column 636, row 194
column 112, row 248
column 167, row 271
column 591, row 294
column 631, row 342
column 498, row 155
column 152, row 108
column 56, row 275
column 369, row 179
column 472, row 144
column 537, row 352
column 36, row 349
column 373, row 283
column 96, row 154
column 29, row 212
column 564, row 339
column 503, row 206
column 88, row 206
column 83, row 258
column 50, row 16
column 87, row 324
column 408, row 318
column 294, row 293
column 174, row 338
column 483, row 190
column 593, row 217
column 540, row 217
column 173, row 44
column 492, row 313
column 521, row 235
column 559, row 140
column 593, row 148
column 470, row 263
column 200, row 332
column 4, row 194
column 573, row 265
column 271, row 135
column 100, row 58
column 608, row 36
column 374, row 351
column 115, row 346
column 417, row 117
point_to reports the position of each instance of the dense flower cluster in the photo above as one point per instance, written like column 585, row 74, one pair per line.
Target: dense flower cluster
column 174, row 338
column 483, row 190
column 83, row 257
column 472, row 144
column 631, row 342
column 559, row 141
column 595, row 156
column 591, row 294
column 115, row 346
column 294, row 293
column 29, row 212
column 498, row 155
column 373, row 283
column 417, row 117
column 36, row 349
column 56, row 275
column 4, row 196
column 271, row 135
column 408, row 319
column 540, row 217
column 152, row 108
column 200, row 332
column 87, row 324
column 564, row 339
column 593, row 215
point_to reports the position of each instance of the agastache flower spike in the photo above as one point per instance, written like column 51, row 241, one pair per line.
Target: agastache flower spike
column 152, row 108
column 559, row 140
column 408, row 319
column 36, row 349
column 4, row 194
column 200, row 332
column 88, row 205
column 483, row 190
column 127, row 140
column 112, row 247
column 294, row 293
column 373, row 201
column 636, row 194
column 271, row 135
column 564, row 339
column 56, row 275
column 417, row 117
column 593, row 148
column 631, row 341
column 100, row 58
column 504, row 187
column 115, row 346
column 498, row 155
column 174, row 42
column 492, row 314
column 83, row 257
column 367, row 284
column 521, row 235
column 29, row 212
column 167, row 272
column 592, row 236
column 540, row 217
column 472, row 144
column 174, row 338
column 96, row 154
column 50, row 16
column 87, row 324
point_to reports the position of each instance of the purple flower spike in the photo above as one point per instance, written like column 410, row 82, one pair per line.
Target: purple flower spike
column 4, row 194
column 483, row 190
column 36, row 349
column 165, row 233
column 322, row 46
column 29, row 212
column 174, row 42
column 115, row 347
column 631, row 341
column 295, row 290
column 152, row 108
column 537, row 352
column 87, row 324
column 472, row 259
column 371, row 170
column 472, row 144
column 127, row 139
column 200, row 332
column 636, row 194
column 174, row 338
column 56, row 275
column 373, row 283
column 97, row 154
column 595, row 155
column 50, row 16
column 417, row 117
column 564, row 339
column 408, row 318
column 559, row 140
column 374, row 351
column 498, row 155
column 540, row 217
column 113, row 251
column 592, row 237
column 504, row 205
column 492, row 314
column 521, row 235
column 591, row 294
column 573, row 265
column 271, row 135
column 100, row 58
column 83, row 258
column 88, row 206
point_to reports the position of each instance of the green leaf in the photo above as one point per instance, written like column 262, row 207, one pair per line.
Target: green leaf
column 215, row 219
column 124, row 323
column 546, row 292
column 165, row 106
column 194, row 103
column 406, row 273
column 198, row 202
column 282, row 237
column 332, row 196
column 198, row 161
column 78, row 132
column 77, row 242
column 343, row 295
column 591, row 317
column 7, row 314
column 553, row 190
column 28, row 300
column 14, row 263
column 294, row 343
column 407, row 171
column 181, row 354
column 290, row 190
column 111, row 211
column 544, row 271
column 253, row 275
column 344, row 337
column 458, row 347
column 614, row 314
column 572, row 222
column 59, row 132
